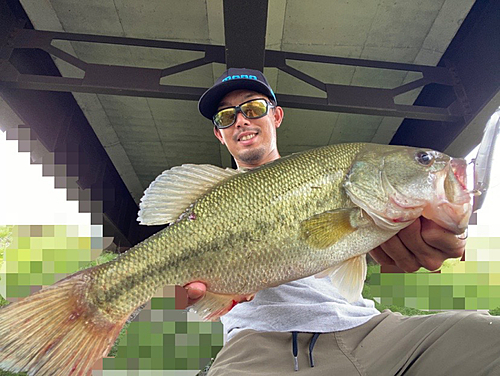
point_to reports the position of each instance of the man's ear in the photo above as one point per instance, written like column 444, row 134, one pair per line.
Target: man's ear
column 218, row 135
column 278, row 116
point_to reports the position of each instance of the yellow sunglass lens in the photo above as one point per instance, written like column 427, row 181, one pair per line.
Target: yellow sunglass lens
column 225, row 117
column 254, row 109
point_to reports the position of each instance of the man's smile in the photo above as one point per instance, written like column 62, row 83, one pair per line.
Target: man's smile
column 246, row 136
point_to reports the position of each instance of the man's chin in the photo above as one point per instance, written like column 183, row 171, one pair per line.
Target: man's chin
column 253, row 156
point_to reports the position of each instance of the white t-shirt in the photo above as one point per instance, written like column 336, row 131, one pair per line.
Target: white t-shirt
column 306, row 305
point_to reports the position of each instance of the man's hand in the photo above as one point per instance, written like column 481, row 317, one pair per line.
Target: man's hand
column 423, row 243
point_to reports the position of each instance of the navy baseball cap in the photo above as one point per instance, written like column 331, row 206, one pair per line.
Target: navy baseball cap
column 233, row 79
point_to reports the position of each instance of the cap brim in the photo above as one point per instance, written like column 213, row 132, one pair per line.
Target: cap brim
column 210, row 100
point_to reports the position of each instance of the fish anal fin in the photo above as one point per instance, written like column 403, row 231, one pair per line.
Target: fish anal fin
column 325, row 229
column 55, row 332
column 348, row 277
column 212, row 306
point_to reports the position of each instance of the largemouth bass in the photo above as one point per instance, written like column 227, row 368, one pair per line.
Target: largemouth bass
column 312, row 213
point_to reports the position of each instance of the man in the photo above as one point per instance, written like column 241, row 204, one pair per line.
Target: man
column 278, row 330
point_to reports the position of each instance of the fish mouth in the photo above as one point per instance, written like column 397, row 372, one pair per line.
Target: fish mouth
column 459, row 169
column 455, row 182
column 453, row 207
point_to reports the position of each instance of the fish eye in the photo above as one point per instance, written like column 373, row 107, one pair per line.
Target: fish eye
column 424, row 158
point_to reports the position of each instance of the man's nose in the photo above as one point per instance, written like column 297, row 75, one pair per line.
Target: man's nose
column 240, row 120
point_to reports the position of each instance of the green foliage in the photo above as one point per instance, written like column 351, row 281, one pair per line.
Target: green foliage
column 6, row 233
column 5, row 239
column 495, row 311
column 407, row 311
column 103, row 258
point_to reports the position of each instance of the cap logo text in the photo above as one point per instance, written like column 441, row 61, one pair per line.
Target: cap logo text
column 250, row 77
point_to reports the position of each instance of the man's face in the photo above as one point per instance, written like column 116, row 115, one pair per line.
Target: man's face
column 252, row 142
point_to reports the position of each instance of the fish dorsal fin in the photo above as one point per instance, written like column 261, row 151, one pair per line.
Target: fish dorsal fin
column 325, row 229
column 174, row 190
column 348, row 277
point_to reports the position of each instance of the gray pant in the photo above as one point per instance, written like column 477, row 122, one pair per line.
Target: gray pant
column 453, row 343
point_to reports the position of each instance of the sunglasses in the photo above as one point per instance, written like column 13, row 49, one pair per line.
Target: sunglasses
column 252, row 109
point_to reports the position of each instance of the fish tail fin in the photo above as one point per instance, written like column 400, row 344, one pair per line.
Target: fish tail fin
column 56, row 331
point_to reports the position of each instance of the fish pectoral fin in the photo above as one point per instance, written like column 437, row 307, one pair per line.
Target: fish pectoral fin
column 174, row 190
column 325, row 229
column 212, row 306
column 348, row 277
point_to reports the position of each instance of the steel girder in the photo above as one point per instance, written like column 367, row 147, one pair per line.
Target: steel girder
column 145, row 82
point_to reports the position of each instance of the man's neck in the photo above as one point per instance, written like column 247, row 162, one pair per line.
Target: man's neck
column 249, row 166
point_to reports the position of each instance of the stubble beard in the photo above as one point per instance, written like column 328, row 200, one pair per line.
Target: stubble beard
column 252, row 156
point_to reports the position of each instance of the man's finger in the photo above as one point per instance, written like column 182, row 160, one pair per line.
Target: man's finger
column 381, row 257
column 437, row 237
column 426, row 255
column 402, row 257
